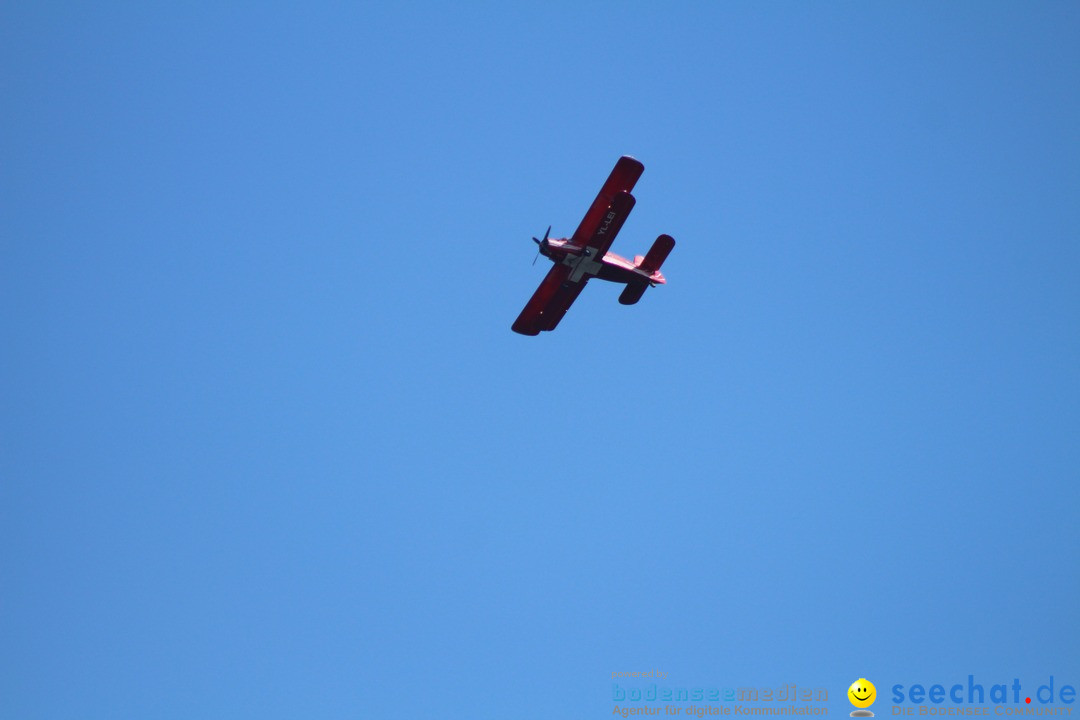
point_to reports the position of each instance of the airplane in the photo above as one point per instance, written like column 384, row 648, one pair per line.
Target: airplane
column 584, row 255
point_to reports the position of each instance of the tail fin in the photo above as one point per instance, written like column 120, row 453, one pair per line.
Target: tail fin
column 657, row 254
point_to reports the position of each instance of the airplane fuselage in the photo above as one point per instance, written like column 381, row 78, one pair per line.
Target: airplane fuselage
column 582, row 264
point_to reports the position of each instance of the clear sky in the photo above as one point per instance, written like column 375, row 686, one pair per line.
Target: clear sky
column 269, row 449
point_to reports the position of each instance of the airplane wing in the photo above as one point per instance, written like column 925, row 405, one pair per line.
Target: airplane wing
column 550, row 302
column 622, row 180
column 610, row 223
column 564, row 298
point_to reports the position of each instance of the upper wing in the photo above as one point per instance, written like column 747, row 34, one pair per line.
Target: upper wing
column 622, row 179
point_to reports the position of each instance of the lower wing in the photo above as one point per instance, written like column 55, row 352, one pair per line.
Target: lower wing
column 549, row 303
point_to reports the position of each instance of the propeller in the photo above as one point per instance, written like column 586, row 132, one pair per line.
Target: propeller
column 541, row 244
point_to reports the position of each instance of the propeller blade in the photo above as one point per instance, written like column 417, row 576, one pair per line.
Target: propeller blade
column 541, row 243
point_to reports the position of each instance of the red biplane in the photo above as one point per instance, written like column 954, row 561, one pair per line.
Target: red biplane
column 585, row 255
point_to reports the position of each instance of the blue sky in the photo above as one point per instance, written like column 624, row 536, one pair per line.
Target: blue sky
column 269, row 448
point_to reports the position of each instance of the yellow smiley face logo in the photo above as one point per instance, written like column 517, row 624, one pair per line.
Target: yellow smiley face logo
column 862, row 693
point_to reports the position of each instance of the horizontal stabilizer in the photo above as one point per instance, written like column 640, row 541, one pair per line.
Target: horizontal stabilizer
column 633, row 292
column 657, row 254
